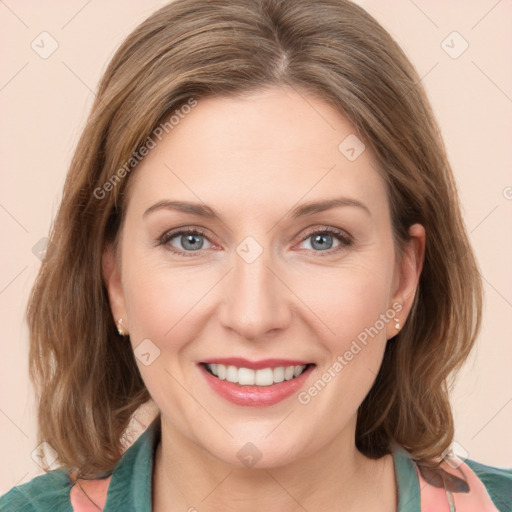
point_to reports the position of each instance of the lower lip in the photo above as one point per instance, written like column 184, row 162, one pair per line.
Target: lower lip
column 255, row 396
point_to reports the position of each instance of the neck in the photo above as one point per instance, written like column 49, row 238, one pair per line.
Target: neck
column 338, row 477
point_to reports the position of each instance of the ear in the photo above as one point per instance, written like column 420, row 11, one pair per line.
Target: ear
column 407, row 275
column 112, row 278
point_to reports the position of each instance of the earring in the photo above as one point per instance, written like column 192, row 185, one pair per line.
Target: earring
column 397, row 324
column 119, row 327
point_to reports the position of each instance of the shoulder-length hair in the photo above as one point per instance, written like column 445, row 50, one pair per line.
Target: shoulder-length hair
column 87, row 381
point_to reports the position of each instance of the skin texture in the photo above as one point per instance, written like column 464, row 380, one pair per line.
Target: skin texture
column 253, row 160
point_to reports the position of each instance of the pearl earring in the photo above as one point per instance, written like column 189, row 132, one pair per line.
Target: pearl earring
column 120, row 328
column 397, row 324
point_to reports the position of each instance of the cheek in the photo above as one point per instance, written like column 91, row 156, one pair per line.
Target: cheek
column 363, row 304
column 164, row 306
column 165, row 302
column 352, row 304
column 346, row 300
column 352, row 309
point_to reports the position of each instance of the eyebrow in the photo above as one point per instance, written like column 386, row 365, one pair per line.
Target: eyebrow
column 303, row 210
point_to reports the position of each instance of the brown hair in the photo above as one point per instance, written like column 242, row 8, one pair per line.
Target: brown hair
column 87, row 380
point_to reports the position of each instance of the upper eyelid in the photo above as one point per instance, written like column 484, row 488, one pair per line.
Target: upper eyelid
column 331, row 230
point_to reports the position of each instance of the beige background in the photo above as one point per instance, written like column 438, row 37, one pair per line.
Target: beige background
column 44, row 103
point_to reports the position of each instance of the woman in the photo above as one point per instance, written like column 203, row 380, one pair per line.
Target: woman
column 259, row 232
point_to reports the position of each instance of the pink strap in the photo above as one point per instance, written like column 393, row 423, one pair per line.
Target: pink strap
column 453, row 486
column 89, row 495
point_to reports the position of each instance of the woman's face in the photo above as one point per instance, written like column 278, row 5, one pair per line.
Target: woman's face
column 290, row 258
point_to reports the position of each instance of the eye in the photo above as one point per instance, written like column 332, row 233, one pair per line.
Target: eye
column 322, row 240
column 189, row 240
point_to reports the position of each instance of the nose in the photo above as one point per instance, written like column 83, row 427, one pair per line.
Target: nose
column 255, row 299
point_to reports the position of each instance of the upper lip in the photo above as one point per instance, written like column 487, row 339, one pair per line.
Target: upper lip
column 240, row 362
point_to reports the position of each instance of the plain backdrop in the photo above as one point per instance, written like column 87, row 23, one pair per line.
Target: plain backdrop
column 53, row 54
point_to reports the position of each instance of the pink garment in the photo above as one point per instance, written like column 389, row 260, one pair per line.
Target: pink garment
column 452, row 486
column 89, row 495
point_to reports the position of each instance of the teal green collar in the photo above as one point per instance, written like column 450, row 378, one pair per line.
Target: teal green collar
column 130, row 489
column 406, row 481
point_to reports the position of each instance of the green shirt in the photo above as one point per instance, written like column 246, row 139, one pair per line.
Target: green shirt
column 130, row 486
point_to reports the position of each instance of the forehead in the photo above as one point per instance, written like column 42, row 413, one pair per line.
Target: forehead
column 272, row 145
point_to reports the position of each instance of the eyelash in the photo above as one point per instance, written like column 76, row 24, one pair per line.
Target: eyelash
column 344, row 239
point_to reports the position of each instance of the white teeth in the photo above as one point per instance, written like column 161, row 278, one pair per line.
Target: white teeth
column 297, row 371
column 232, row 374
column 264, row 377
column 279, row 374
column 249, row 377
column 246, row 377
column 221, row 371
column 288, row 372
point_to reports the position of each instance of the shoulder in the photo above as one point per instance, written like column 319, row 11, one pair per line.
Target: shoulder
column 497, row 481
column 465, row 485
column 456, row 483
column 43, row 493
column 129, row 487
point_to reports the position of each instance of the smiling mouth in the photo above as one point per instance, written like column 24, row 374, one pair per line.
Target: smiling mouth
column 261, row 377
